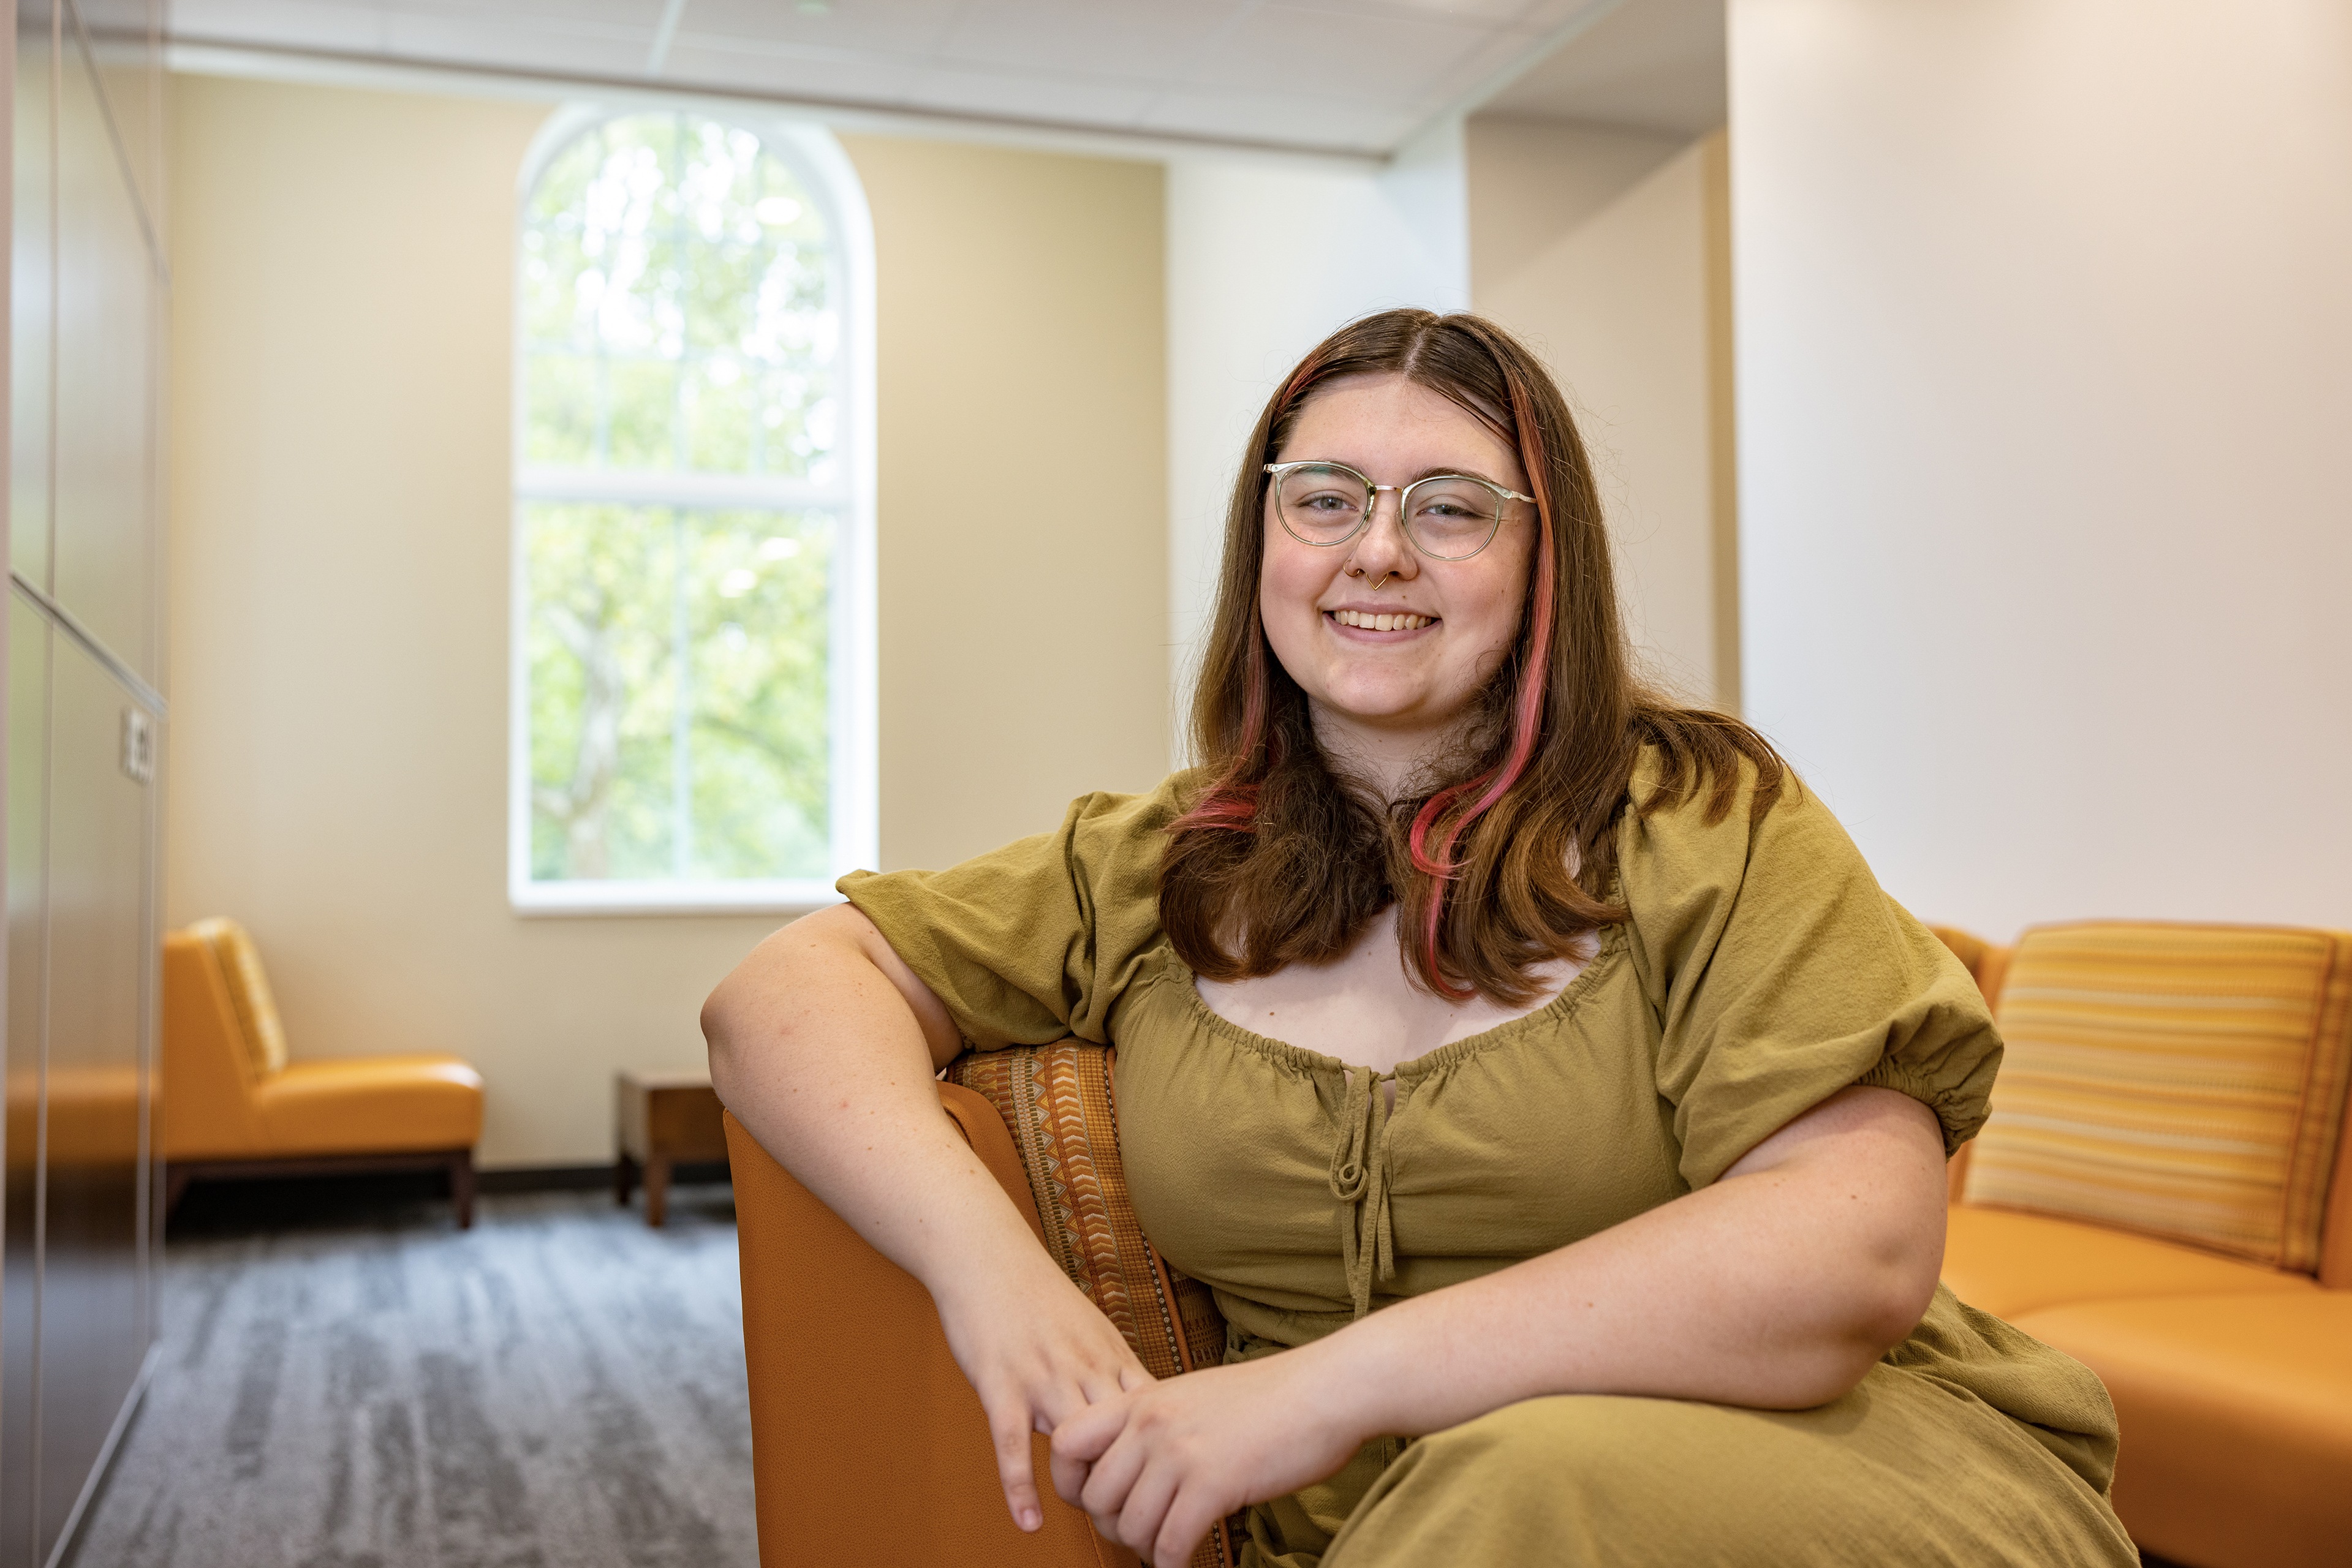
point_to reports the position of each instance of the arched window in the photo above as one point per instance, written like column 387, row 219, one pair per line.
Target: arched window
column 693, row 717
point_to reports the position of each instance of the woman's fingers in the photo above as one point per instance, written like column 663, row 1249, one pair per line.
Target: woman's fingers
column 1087, row 1432
column 1183, row 1526
column 1148, row 1497
column 1081, row 1440
column 1112, row 1475
column 1009, row 1425
column 1101, row 1383
column 1069, row 1474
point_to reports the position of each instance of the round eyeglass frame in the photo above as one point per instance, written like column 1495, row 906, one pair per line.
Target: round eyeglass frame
column 1279, row 471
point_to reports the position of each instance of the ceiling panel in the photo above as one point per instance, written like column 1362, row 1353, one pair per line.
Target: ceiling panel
column 569, row 47
column 1278, row 49
column 908, row 28
column 831, row 76
column 1329, row 75
column 1129, row 40
column 284, row 24
column 1653, row 65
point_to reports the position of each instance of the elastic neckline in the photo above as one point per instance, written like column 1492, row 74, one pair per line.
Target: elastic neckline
column 1298, row 1059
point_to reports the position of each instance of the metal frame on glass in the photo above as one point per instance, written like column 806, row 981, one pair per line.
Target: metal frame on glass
column 1279, row 471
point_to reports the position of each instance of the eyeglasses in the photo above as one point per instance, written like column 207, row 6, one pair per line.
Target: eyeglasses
column 1451, row 516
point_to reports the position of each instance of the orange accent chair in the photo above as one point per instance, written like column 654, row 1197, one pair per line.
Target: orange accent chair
column 234, row 1106
column 855, row 1395
column 2162, row 1193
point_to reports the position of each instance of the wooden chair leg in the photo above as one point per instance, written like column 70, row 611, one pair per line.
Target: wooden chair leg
column 657, row 1190
column 625, row 1179
column 461, row 1187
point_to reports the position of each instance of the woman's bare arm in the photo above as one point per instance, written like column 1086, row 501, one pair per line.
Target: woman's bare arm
column 1777, row 1287
column 824, row 1044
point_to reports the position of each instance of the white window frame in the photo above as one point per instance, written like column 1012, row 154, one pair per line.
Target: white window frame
column 826, row 174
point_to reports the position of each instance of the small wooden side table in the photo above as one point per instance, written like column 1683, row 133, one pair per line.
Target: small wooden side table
column 660, row 1121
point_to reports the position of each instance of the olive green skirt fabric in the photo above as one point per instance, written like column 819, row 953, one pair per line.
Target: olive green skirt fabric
column 1908, row 1469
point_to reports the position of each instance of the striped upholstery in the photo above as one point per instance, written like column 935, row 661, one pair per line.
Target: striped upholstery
column 2184, row 1081
column 1056, row 1102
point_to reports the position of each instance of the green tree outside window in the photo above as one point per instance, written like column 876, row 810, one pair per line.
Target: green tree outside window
column 681, row 498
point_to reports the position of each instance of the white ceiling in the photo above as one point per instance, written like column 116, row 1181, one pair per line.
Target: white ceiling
column 1344, row 76
column 1651, row 65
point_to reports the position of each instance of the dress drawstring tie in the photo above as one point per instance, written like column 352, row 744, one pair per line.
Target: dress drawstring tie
column 1360, row 1180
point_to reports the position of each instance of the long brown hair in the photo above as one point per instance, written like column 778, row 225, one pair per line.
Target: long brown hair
column 1504, row 856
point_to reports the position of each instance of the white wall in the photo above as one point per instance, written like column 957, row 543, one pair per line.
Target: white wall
column 1263, row 263
column 1594, row 245
column 2045, row 380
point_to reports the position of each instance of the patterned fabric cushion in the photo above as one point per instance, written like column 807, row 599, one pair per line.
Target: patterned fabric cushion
column 1056, row 1101
column 248, row 990
column 2184, row 1081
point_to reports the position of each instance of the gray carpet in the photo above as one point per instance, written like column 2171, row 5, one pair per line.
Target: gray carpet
column 559, row 1387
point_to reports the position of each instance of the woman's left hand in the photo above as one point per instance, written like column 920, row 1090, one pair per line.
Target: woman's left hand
column 1157, row 1466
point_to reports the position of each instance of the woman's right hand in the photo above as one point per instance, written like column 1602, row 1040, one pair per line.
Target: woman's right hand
column 1036, row 1351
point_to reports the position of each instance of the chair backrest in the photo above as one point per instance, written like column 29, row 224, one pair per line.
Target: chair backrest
column 2187, row 1082
column 248, row 992
column 206, row 1109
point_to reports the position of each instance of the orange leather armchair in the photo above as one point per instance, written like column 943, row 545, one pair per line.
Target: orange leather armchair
column 853, row 1392
column 2232, row 1372
column 234, row 1105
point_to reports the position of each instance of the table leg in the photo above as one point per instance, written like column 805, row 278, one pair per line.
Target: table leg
column 657, row 1190
column 625, row 1179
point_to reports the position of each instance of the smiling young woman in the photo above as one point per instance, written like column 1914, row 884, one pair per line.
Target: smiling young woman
column 1552, row 1099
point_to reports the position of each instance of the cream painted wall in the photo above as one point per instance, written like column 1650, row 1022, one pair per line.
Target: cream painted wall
column 339, row 566
column 1024, row 380
column 2045, row 362
column 1265, row 261
column 1595, row 245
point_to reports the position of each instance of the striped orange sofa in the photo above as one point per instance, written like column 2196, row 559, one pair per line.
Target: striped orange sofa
column 2159, row 1193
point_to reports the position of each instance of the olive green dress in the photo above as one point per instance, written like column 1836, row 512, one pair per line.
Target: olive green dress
column 1761, row 970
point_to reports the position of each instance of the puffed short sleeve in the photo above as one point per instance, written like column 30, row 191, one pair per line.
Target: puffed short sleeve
column 1780, row 973
column 1037, row 940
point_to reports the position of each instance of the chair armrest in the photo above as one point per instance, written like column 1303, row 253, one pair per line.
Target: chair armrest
column 868, row 1443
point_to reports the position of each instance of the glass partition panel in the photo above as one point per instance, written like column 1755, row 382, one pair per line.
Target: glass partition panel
column 102, row 965
column 28, row 906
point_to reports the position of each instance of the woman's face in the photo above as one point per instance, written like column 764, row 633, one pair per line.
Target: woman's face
column 1388, row 698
